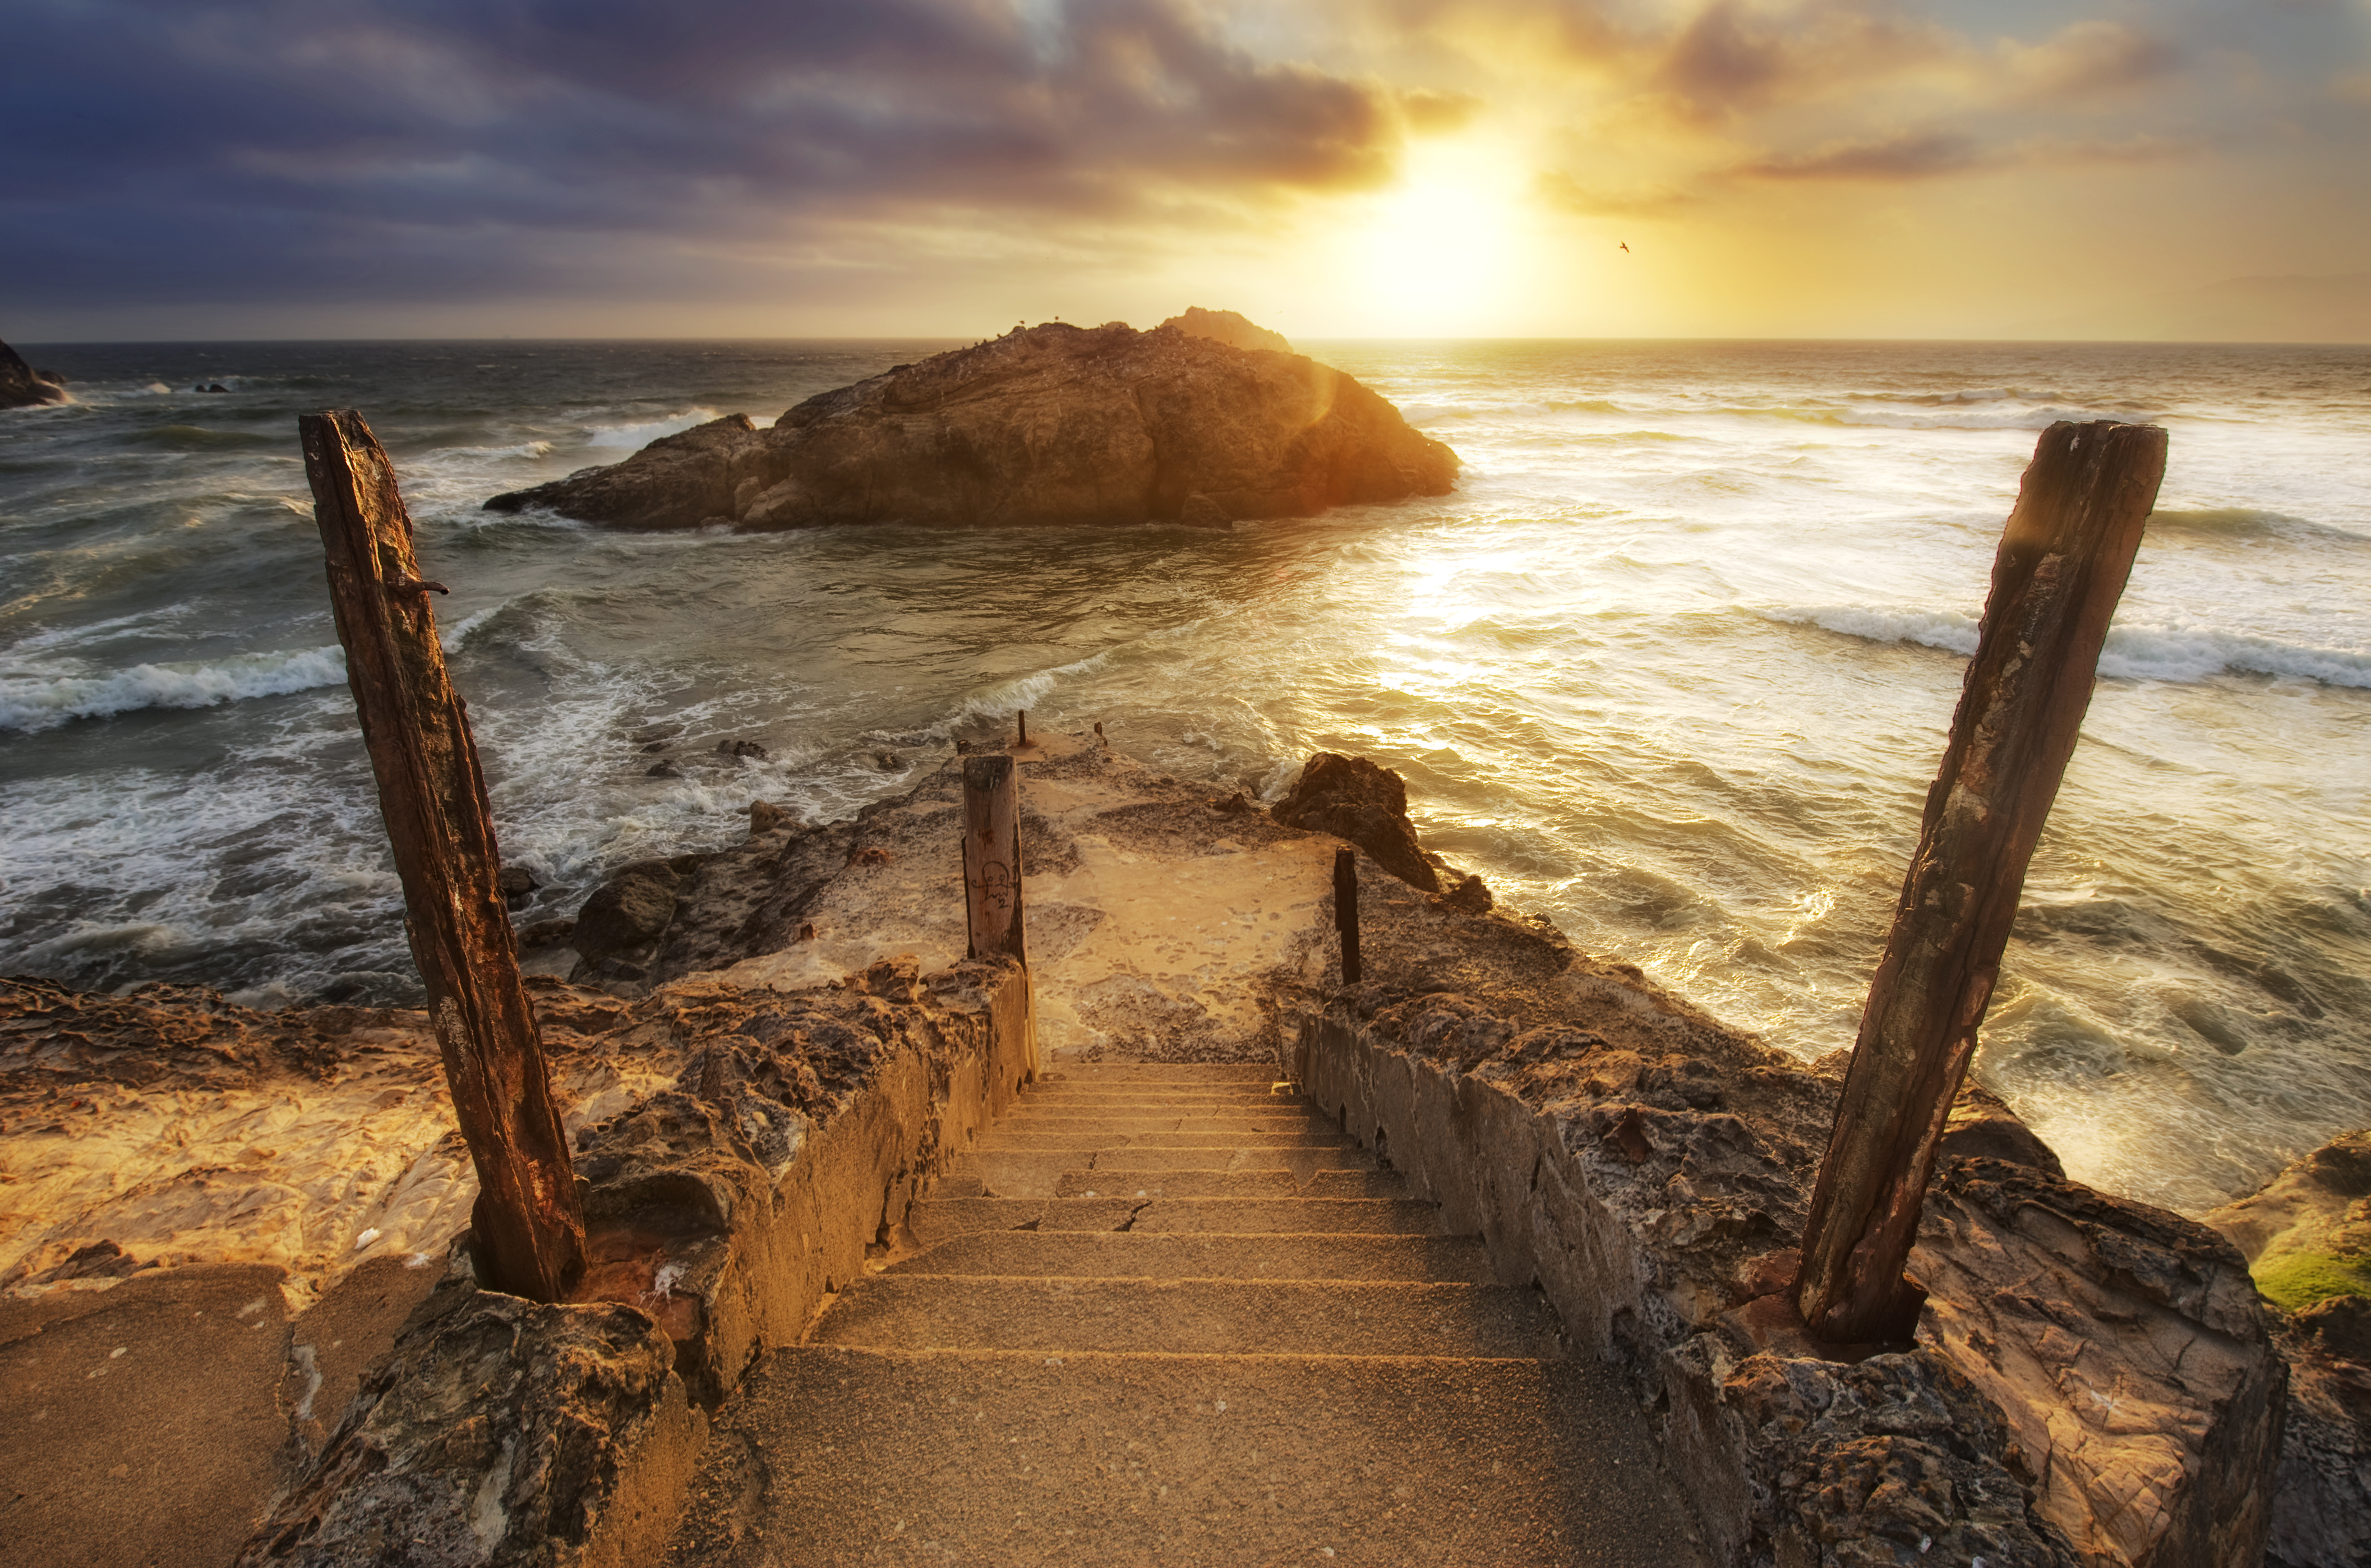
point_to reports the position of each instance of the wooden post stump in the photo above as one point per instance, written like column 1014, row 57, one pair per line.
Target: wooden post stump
column 1346, row 910
column 529, row 1220
column 991, row 856
column 2062, row 562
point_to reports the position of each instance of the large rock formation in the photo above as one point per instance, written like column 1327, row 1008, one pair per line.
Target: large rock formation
column 22, row 387
column 1055, row 424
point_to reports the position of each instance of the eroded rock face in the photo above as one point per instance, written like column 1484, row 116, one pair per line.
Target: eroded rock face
column 22, row 387
column 496, row 1432
column 1055, row 424
column 1354, row 799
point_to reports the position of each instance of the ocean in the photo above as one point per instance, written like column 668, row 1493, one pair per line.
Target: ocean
column 1671, row 666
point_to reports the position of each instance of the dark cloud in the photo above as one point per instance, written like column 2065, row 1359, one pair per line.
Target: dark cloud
column 441, row 148
column 1732, row 58
column 1917, row 156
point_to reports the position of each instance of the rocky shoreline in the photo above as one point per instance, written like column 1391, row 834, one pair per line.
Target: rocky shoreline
column 2094, row 1381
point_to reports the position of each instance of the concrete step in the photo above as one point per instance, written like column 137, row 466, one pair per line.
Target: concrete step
column 941, row 1219
column 1261, row 1073
column 1035, row 1173
column 1247, row 1184
column 1137, row 1255
column 832, row 1457
column 998, row 1138
column 1206, row 1317
column 1100, row 1125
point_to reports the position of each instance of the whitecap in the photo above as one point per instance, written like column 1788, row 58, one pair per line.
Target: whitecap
column 43, row 701
column 634, row 437
column 2178, row 654
column 1946, row 629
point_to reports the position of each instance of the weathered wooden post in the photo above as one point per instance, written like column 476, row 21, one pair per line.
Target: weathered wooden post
column 1021, row 718
column 2064, row 559
column 991, row 856
column 528, row 1221
column 1346, row 910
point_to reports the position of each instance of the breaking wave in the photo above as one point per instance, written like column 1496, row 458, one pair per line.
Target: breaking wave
column 2178, row 654
column 41, row 702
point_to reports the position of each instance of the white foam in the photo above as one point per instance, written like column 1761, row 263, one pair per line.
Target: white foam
column 634, row 437
column 2180, row 655
column 1946, row 629
column 31, row 702
column 2193, row 653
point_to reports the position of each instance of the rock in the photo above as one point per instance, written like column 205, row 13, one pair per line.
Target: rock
column 1472, row 895
column 1229, row 327
column 2308, row 1232
column 517, row 884
column 624, row 920
column 1352, row 798
column 498, row 1432
column 1052, row 425
column 765, row 816
column 738, row 749
column 22, row 387
column 1983, row 1124
column 547, row 934
column 663, row 770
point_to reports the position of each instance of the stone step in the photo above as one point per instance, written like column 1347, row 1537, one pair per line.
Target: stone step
column 1160, row 1093
column 941, row 1219
column 1248, row 1184
column 1135, row 1255
column 832, row 1456
column 1207, row 1317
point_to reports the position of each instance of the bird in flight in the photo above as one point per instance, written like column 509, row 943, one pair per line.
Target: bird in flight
column 1626, row 248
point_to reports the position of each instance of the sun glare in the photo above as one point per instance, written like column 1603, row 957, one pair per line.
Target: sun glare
column 1446, row 251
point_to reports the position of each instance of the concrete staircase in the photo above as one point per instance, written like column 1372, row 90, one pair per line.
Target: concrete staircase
column 1161, row 1314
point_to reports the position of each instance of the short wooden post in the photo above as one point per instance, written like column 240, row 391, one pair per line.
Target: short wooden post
column 1021, row 717
column 2062, row 562
column 991, row 855
column 1346, row 910
column 529, row 1220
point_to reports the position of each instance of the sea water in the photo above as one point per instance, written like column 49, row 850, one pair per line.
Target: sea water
column 1672, row 665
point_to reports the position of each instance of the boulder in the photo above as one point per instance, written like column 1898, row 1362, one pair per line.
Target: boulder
column 22, row 387
column 1354, row 799
column 1053, row 424
column 1227, row 327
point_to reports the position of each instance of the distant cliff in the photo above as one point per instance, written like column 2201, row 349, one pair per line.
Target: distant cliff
column 22, row 387
column 1053, row 424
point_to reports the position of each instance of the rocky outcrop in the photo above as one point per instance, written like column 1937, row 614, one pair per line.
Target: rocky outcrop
column 1354, row 799
column 22, row 387
column 2306, row 1234
column 1053, row 424
column 1230, row 327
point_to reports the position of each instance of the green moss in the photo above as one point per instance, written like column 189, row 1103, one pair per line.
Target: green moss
column 2294, row 1280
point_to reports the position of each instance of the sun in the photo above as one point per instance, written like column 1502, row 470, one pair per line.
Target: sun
column 1445, row 252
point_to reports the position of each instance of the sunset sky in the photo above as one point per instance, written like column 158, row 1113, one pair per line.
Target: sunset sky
column 181, row 169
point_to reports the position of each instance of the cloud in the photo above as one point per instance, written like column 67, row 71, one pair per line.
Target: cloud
column 2087, row 60
column 1935, row 154
column 170, row 143
column 1644, row 200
